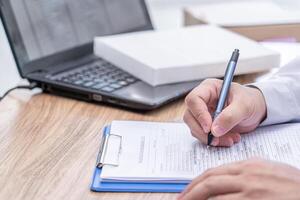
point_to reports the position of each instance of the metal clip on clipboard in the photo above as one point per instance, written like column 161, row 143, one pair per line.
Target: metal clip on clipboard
column 110, row 150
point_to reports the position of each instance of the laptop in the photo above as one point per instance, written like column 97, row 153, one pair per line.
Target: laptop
column 52, row 43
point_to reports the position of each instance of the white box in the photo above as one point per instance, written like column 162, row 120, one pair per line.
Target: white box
column 192, row 53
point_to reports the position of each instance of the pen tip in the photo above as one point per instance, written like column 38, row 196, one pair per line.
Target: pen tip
column 237, row 50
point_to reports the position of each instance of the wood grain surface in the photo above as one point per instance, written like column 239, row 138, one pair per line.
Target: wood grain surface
column 49, row 144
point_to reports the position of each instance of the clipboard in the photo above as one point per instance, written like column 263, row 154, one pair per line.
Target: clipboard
column 99, row 186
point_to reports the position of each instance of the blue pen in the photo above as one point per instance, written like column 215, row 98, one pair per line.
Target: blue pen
column 225, row 88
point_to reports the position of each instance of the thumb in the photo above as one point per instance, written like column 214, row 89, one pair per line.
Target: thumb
column 231, row 116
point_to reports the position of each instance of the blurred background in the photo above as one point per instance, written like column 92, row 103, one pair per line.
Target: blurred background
column 168, row 14
column 165, row 14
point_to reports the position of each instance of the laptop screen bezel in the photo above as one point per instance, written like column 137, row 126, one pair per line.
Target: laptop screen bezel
column 20, row 54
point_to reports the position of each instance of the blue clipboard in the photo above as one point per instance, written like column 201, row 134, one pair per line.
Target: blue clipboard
column 99, row 186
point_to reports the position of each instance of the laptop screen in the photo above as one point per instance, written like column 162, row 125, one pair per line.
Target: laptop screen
column 47, row 27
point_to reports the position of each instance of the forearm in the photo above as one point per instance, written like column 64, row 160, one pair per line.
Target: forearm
column 282, row 94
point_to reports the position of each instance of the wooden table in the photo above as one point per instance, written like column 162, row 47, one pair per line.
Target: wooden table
column 49, row 145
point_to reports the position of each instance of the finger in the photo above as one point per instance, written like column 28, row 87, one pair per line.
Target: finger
column 209, row 90
column 214, row 186
column 229, row 139
column 195, row 127
column 226, row 140
column 200, row 111
column 227, row 169
column 197, row 102
column 232, row 115
column 236, row 137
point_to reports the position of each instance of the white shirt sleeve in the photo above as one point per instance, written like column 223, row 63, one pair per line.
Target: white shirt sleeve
column 282, row 94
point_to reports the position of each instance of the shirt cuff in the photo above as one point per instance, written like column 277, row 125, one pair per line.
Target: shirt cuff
column 280, row 102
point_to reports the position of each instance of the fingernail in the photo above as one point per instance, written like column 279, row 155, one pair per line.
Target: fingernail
column 230, row 142
column 237, row 138
column 215, row 142
column 218, row 131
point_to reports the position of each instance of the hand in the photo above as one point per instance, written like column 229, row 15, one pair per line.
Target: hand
column 251, row 179
column 245, row 110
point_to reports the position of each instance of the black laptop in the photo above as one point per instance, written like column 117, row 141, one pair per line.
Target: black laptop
column 52, row 42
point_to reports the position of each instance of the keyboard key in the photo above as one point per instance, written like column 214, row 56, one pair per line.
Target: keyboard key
column 73, row 79
column 123, row 83
column 115, row 85
column 50, row 77
column 111, row 80
column 66, row 80
column 100, row 62
column 131, row 80
column 107, row 89
column 123, row 77
column 78, row 82
column 99, row 85
column 115, row 74
column 86, row 78
column 98, row 80
column 105, row 77
column 88, row 84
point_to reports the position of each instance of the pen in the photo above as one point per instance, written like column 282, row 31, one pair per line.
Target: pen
column 225, row 88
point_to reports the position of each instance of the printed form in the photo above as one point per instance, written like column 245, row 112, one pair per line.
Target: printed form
column 166, row 152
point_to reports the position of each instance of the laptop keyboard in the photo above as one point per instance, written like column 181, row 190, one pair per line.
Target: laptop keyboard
column 99, row 75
